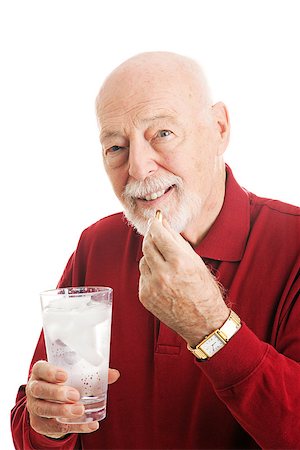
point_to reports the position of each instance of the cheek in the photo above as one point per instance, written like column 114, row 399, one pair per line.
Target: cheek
column 174, row 162
column 118, row 180
column 182, row 159
column 196, row 173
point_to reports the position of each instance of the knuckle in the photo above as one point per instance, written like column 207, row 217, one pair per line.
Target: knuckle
column 47, row 372
column 29, row 405
column 35, row 423
column 36, row 389
column 145, row 300
column 64, row 410
column 141, row 263
column 63, row 428
column 48, row 427
column 28, row 389
column 86, row 428
column 31, row 388
column 146, row 244
column 60, row 392
column 142, row 297
column 43, row 370
column 39, row 409
column 143, row 267
column 38, row 366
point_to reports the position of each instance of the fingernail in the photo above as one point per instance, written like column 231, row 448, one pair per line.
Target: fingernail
column 77, row 410
column 74, row 396
column 60, row 375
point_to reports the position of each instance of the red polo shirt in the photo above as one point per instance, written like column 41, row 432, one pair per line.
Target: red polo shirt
column 248, row 394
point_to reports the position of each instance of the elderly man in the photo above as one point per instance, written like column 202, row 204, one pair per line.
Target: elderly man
column 206, row 319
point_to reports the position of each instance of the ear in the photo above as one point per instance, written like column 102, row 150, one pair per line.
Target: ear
column 221, row 118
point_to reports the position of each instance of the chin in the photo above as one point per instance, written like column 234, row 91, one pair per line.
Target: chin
column 179, row 218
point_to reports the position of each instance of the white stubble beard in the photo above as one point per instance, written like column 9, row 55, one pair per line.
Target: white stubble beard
column 179, row 210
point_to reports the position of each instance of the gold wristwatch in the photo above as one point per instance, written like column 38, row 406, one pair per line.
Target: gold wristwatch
column 216, row 340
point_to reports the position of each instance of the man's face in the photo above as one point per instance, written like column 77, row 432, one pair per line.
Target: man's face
column 161, row 151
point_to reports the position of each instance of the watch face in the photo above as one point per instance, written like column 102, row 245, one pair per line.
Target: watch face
column 212, row 345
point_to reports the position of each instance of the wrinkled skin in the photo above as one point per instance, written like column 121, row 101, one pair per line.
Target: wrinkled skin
column 48, row 398
column 176, row 286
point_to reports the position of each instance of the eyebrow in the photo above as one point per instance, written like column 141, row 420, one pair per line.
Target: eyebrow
column 109, row 134
column 158, row 117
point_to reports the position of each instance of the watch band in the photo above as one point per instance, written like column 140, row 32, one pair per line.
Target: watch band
column 216, row 340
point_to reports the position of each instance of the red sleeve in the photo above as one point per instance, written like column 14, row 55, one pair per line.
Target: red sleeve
column 67, row 276
column 24, row 437
column 260, row 384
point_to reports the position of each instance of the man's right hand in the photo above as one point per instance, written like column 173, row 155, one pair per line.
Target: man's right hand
column 48, row 398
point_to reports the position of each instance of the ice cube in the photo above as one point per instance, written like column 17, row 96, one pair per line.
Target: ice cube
column 95, row 313
column 85, row 345
column 71, row 357
column 58, row 324
column 76, row 327
column 69, row 303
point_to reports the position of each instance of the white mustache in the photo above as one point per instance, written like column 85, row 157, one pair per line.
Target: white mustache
column 139, row 189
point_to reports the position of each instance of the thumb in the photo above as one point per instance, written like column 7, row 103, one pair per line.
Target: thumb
column 113, row 375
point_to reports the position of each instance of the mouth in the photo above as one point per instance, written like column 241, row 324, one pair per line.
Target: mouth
column 155, row 195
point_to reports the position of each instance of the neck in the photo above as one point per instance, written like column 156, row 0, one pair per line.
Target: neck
column 197, row 229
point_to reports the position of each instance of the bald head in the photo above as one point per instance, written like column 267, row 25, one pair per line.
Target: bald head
column 154, row 71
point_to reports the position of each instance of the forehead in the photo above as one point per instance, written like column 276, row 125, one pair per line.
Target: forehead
column 138, row 98
column 140, row 109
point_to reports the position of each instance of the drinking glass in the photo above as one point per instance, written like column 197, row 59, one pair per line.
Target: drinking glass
column 77, row 324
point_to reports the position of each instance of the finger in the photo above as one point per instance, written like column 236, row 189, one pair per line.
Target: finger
column 58, row 392
column 53, row 392
column 113, row 375
column 43, row 408
column 42, row 370
column 164, row 239
column 162, row 221
column 152, row 255
column 177, row 238
column 53, row 428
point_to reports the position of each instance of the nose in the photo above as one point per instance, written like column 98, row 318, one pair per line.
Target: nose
column 141, row 160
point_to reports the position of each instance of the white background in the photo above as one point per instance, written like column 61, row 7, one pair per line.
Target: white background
column 54, row 55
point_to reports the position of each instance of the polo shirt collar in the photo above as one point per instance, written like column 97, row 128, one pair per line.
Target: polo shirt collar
column 227, row 237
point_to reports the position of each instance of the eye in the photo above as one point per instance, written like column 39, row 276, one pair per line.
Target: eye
column 164, row 133
column 114, row 149
column 115, row 155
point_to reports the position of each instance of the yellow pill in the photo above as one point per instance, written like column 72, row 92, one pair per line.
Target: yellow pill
column 158, row 215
